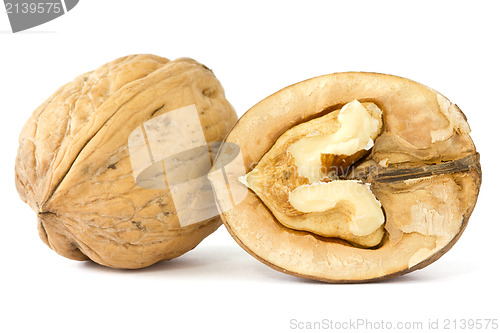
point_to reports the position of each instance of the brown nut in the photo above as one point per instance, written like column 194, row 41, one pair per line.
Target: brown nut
column 331, row 205
column 92, row 161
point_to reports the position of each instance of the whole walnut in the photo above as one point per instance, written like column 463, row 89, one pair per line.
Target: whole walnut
column 92, row 161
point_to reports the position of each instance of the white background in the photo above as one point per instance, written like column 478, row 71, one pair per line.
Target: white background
column 255, row 48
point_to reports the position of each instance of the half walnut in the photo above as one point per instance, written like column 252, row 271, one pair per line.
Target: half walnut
column 354, row 177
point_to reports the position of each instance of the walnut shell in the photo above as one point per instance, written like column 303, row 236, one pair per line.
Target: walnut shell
column 423, row 168
column 75, row 170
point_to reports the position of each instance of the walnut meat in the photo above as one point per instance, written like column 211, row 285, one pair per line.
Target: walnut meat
column 76, row 170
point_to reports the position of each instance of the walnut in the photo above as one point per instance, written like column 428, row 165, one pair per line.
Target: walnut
column 353, row 177
column 83, row 163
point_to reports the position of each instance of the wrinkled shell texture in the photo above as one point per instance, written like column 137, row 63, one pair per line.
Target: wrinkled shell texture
column 73, row 166
column 423, row 168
